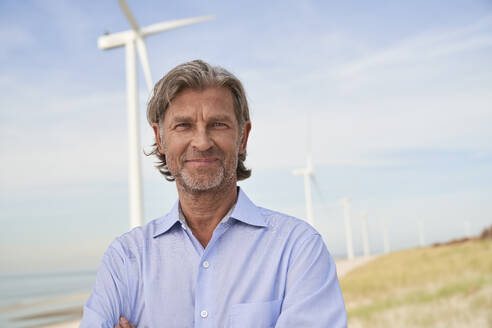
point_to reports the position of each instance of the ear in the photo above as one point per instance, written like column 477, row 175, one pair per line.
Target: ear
column 244, row 137
column 157, row 135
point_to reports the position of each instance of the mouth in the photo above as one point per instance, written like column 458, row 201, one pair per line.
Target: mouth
column 202, row 161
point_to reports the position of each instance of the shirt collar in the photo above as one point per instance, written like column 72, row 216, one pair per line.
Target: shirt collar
column 244, row 210
column 166, row 222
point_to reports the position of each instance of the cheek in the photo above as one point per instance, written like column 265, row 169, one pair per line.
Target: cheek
column 230, row 146
column 173, row 145
column 174, row 152
column 227, row 140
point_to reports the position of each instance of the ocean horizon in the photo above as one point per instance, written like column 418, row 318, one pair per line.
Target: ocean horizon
column 36, row 299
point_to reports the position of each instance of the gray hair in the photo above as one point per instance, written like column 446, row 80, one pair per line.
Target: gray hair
column 196, row 75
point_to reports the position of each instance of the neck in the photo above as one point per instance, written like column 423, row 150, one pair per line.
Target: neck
column 205, row 209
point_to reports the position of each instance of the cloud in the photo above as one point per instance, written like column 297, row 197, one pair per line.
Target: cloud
column 426, row 46
column 393, row 99
column 50, row 136
column 366, row 131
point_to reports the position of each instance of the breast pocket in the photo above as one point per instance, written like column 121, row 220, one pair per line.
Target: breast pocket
column 255, row 315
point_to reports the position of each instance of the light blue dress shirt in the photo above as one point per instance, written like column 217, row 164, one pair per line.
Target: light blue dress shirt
column 260, row 269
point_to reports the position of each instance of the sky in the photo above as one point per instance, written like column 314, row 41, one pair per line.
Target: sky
column 393, row 99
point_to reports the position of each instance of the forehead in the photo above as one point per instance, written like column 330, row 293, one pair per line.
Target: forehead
column 206, row 102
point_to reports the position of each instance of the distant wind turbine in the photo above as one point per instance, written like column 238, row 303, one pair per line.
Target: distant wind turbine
column 308, row 174
column 348, row 227
column 386, row 243
column 365, row 235
column 133, row 40
column 309, row 177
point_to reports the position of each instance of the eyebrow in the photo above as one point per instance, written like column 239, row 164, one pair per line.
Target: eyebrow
column 187, row 119
column 221, row 118
column 182, row 119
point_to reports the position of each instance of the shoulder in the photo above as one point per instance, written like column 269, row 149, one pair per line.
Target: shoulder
column 277, row 222
column 132, row 243
column 285, row 221
column 294, row 229
column 296, row 241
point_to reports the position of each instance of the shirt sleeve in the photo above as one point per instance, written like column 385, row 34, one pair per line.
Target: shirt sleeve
column 107, row 301
column 313, row 297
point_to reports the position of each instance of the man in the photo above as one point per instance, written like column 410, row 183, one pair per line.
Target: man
column 216, row 260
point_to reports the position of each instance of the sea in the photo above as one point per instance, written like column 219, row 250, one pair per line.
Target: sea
column 35, row 300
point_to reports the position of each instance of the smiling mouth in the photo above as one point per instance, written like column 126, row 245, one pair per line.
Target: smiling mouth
column 202, row 161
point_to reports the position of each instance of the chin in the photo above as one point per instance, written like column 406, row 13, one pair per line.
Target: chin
column 200, row 184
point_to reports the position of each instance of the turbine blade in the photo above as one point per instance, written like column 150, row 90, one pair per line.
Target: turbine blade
column 321, row 196
column 170, row 25
column 318, row 188
column 129, row 16
column 144, row 60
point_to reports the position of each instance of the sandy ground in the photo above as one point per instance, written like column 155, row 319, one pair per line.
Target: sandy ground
column 344, row 266
column 76, row 297
column 67, row 324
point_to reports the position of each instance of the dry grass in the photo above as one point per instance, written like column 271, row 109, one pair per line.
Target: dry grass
column 445, row 286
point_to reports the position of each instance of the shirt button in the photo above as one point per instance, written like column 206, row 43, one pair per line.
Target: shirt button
column 204, row 314
column 205, row 264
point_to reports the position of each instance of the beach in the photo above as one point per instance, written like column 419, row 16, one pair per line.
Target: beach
column 43, row 299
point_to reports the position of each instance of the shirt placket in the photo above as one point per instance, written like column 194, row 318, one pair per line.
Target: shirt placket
column 205, row 292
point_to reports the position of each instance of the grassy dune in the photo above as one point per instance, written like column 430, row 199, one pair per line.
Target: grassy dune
column 445, row 286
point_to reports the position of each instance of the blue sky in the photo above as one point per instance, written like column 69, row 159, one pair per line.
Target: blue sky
column 398, row 95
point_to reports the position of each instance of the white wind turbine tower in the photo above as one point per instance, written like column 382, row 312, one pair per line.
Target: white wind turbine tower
column 348, row 227
column 384, row 224
column 365, row 235
column 308, row 175
column 133, row 41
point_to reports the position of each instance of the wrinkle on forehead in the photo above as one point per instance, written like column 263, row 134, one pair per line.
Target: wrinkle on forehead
column 201, row 105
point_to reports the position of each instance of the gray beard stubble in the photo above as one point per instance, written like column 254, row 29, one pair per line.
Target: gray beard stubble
column 194, row 184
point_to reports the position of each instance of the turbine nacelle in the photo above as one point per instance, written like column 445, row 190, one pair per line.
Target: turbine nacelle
column 302, row 172
column 308, row 170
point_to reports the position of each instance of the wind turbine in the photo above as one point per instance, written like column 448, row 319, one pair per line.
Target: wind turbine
column 384, row 224
column 365, row 235
column 308, row 174
column 348, row 227
column 133, row 41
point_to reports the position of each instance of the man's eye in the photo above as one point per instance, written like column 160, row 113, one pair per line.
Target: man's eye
column 182, row 126
column 219, row 124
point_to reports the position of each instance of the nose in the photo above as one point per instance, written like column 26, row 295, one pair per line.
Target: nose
column 201, row 140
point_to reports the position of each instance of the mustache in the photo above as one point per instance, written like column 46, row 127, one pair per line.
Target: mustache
column 194, row 154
